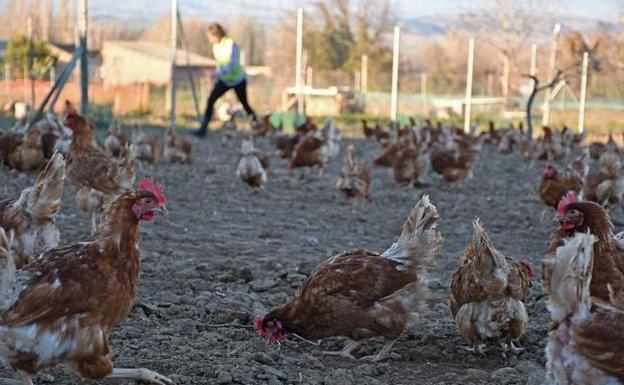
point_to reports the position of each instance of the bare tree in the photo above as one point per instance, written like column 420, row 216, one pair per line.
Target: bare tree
column 509, row 26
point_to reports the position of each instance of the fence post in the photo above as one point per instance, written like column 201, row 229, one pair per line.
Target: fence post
column 395, row 74
column 174, row 59
column 581, row 119
column 533, row 68
column 551, row 72
column 468, row 101
column 84, row 58
column 423, row 89
column 299, row 62
column 363, row 80
column 31, row 61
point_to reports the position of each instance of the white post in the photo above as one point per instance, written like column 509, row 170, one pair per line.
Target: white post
column 363, row 79
column 84, row 58
column 174, row 63
column 533, row 69
column 468, row 101
column 299, row 62
column 395, row 74
column 581, row 119
column 31, row 62
column 310, row 77
column 423, row 89
column 551, row 72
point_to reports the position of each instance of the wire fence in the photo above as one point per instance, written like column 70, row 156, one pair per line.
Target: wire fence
column 430, row 75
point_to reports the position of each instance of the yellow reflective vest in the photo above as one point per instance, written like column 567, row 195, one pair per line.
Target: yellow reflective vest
column 226, row 54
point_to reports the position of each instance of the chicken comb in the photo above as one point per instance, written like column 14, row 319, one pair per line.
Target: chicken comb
column 258, row 325
column 71, row 113
column 147, row 184
column 568, row 198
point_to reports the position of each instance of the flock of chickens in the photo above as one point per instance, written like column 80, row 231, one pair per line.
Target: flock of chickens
column 58, row 304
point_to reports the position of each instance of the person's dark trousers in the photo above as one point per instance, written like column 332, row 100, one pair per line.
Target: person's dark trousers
column 219, row 89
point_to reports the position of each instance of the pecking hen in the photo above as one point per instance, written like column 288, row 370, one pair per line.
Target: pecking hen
column 251, row 168
column 361, row 294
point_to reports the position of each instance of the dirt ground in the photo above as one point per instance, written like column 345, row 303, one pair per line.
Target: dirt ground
column 227, row 252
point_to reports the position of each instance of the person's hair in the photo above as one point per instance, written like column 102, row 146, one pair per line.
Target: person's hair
column 216, row 29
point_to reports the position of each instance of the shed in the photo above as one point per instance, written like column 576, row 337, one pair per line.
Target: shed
column 130, row 62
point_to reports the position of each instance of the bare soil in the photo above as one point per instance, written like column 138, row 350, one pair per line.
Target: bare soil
column 227, row 252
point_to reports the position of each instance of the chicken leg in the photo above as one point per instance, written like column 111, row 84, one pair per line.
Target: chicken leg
column 93, row 223
column 346, row 351
column 24, row 378
column 383, row 353
column 141, row 374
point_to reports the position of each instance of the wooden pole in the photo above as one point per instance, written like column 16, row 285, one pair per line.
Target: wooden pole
column 395, row 74
column 581, row 119
column 533, row 69
column 299, row 62
column 84, row 58
column 551, row 71
column 174, row 64
column 31, row 61
column 471, row 46
column 189, row 70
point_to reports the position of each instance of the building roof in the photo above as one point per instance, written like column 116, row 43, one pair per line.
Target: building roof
column 64, row 52
column 160, row 51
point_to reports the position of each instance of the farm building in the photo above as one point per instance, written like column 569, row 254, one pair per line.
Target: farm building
column 63, row 54
column 129, row 62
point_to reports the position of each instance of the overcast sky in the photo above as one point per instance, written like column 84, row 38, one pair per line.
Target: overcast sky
column 607, row 10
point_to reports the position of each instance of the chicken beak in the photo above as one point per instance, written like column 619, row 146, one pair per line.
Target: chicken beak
column 162, row 210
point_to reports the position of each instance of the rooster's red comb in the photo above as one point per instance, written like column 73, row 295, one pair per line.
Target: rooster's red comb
column 565, row 201
column 146, row 184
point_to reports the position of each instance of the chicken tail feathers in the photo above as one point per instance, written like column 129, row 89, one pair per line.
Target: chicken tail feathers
column 487, row 258
column 419, row 241
column 127, row 172
column 7, row 267
column 43, row 200
column 571, row 276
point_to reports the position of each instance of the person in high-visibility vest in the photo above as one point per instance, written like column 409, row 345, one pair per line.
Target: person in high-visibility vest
column 230, row 74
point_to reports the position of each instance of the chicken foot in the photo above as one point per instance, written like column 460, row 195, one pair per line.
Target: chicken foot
column 346, row 351
column 383, row 353
column 477, row 348
column 141, row 374
column 510, row 347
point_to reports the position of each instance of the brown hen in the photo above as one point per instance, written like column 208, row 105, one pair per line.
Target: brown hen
column 586, row 336
column 488, row 293
column 360, row 294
